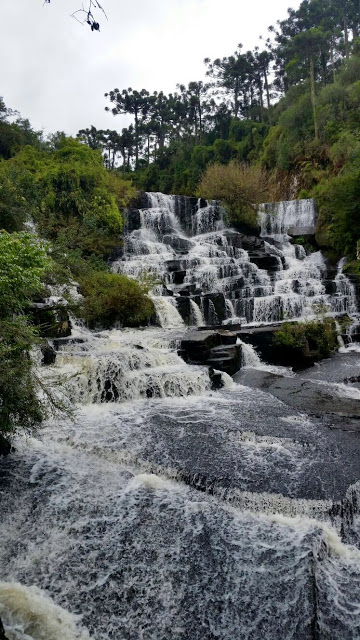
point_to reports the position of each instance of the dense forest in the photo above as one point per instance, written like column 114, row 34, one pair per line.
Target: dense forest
column 275, row 123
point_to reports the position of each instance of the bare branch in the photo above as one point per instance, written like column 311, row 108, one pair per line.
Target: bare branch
column 89, row 17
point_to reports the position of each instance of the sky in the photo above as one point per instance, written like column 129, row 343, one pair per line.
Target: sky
column 55, row 71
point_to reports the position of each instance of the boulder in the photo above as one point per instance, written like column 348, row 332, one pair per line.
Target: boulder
column 226, row 358
column 2, row 632
column 265, row 261
column 48, row 353
column 218, row 349
column 60, row 342
column 216, row 380
column 5, row 449
column 180, row 244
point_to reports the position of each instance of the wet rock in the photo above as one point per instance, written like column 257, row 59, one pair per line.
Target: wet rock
column 2, row 632
column 265, row 261
column 5, row 449
column 182, row 245
column 301, row 231
column 132, row 220
column 53, row 321
column 216, row 379
column 263, row 339
column 314, row 397
column 216, row 349
column 48, row 353
column 226, row 358
column 214, row 308
column 61, row 342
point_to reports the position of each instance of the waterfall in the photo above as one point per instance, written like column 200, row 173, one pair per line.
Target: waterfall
column 196, row 317
column 167, row 313
column 184, row 245
column 169, row 507
column 277, row 218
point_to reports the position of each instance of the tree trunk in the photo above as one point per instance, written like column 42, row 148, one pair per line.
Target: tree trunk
column 148, row 150
column 267, row 89
column 313, row 95
column 323, row 64
column 236, row 98
column 261, row 100
column 136, row 138
column 333, row 60
column 346, row 34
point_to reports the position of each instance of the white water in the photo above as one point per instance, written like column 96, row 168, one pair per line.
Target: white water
column 170, row 511
column 198, row 264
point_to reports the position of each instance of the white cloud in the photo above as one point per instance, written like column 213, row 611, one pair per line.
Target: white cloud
column 56, row 72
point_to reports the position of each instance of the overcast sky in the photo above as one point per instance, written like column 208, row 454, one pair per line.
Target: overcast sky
column 55, row 71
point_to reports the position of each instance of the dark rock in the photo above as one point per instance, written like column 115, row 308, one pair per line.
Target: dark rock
column 49, row 354
column 60, row 342
column 5, row 449
column 217, row 349
column 2, row 632
column 52, row 321
column 178, row 277
column 262, row 338
column 132, row 220
column 265, row 261
column 183, row 307
column 214, row 308
column 174, row 265
column 225, row 358
column 178, row 243
column 216, row 379
column 197, row 345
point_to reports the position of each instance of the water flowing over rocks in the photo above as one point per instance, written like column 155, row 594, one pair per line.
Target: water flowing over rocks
column 182, row 504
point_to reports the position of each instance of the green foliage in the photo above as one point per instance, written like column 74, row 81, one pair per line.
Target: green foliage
column 20, row 407
column 339, row 210
column 315, row 335
column 239, row 187
column 112, row 298
column 23, row 260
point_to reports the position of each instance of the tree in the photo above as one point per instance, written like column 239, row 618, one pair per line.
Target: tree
column 134, row 102
column 230, row 75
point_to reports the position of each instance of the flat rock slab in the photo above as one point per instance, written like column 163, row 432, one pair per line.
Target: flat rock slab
column 315, row 397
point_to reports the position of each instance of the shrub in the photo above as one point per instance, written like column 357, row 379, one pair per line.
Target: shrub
column 112, row 298
column 239, row 186
column 23, row 261
column 317, row 335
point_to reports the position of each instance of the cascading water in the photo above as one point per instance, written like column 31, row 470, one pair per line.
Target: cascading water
column 166, row 510
column 230, row 278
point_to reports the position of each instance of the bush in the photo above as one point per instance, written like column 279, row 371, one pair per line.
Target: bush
column 23, row 261
column 112, row 298
column 239, row 186
column 317, row 335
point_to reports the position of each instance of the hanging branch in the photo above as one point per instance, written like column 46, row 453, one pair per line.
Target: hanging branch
column 88, row 16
